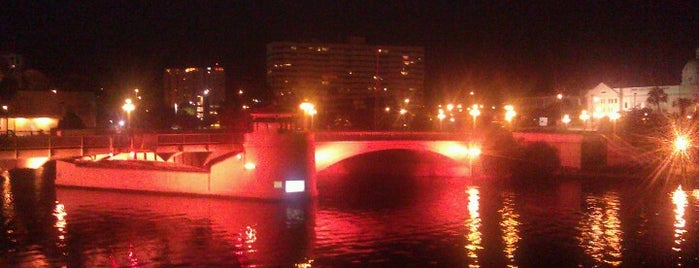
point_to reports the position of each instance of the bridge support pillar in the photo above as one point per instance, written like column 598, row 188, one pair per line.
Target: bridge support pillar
column 275, row 165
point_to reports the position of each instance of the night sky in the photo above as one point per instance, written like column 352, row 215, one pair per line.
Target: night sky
column 491, row 46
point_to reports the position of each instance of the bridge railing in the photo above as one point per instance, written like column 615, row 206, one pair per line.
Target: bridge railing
column 115, row 141
column 367, row 135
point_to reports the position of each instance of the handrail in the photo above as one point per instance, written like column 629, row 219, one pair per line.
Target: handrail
column 367, row 135
column 11, row 143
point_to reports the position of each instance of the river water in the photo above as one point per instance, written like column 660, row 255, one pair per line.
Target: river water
column 358, row 220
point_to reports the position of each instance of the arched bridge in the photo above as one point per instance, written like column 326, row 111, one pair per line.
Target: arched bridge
column 333, row 147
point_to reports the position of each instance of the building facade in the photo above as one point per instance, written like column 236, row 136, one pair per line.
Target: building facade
column 204, row 88
column 350, row 80
column 603, row 100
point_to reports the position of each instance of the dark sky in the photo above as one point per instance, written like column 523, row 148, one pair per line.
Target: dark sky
column 485, row 46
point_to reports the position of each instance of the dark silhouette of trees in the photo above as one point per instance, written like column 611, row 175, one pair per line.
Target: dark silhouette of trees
column 656, row 96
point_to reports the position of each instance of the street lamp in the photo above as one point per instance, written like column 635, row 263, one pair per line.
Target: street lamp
column 128, row 107
column 584, row 116
column 614, row 116
column 475, row 112
column 309, row 109
column 474, row 151
column 566, row 120
column 441, row 117
column 510, row 113
column 681, row 144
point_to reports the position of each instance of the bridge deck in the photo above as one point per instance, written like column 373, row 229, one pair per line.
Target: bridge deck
column 379, row 136
column 65, row 146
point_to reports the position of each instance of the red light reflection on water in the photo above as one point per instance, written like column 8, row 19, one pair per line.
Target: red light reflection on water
column 473, row 223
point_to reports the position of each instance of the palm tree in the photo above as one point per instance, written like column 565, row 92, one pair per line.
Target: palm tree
column 683, row 104
column 656, row 96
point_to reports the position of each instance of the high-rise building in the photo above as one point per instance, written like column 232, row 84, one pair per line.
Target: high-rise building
column 203, row 88
column 347, row 81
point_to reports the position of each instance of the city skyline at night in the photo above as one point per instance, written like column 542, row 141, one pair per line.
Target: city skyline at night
column 495, row 48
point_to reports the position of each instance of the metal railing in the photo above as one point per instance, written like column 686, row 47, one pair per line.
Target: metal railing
column 368, row 136
column 114, row 141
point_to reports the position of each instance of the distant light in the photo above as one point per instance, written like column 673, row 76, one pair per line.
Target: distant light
column 471, row 93
column 121, row 123
column 406, row 100
column 387, row 109
column 135, row 90
column 294, row 186
column 403, row 111
column 249, row 166
column 54, row 91
column 240, row 92
column 206, row 92
column 450, row 107
column 566, row 119
column 559, row 96
column 4, row 107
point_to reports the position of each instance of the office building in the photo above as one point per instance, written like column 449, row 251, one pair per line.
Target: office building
column 201, row 87
column 347, row 81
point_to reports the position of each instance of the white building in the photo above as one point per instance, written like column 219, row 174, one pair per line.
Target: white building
column 604, row 100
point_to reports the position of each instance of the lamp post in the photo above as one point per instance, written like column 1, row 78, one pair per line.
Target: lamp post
column 584, row 116
column 475, row 112
column 5, row 111
column 473, row 152
column 614, row 116
column 441, row 117
column 565, row 120
column 309, row 110
column 128, row 107
column 681, row 145
column 510, row 114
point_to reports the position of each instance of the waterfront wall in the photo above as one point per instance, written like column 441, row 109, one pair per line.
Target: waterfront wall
column 575, row 150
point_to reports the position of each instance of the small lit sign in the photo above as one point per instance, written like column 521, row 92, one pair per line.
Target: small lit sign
column 295, row 186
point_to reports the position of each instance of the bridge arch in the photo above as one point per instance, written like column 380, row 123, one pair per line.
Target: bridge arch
column 331, row 152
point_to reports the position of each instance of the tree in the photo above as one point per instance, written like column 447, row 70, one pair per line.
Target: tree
column 656, row 96
column 683, row 104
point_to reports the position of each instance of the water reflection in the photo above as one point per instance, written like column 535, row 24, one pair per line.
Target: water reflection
column 600, row 229
column 474, row 243
column 8, row 215
column 60, row 213
column 679, row 199
column 509, row 227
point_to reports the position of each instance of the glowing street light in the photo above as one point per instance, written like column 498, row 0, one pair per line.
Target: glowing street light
column 584, row 116
column 510, row 113
column 403, row 111
column 474, row 151
column 566, row 120
column 128, row 107
column 614, row 116
column 475, row 112
column 309, row 109
column 681, row 144
column 441, row 117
